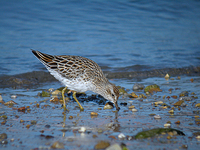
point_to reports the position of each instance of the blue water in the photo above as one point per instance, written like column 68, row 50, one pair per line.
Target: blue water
column 138, row 35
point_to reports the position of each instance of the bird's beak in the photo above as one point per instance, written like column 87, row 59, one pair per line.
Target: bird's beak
column 117, row 107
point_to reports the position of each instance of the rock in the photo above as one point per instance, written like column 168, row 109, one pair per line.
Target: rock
column 102, row 145
column 99, row 130
column 94, row 114
column 174, row 96
column 138, row 86
column 1, row 99
column 114, row 147
column 82, row 130
column 134, row 110
column 122, row 90
column 10, row 103
column 33, row 122
column 198, row 137
column 4, row 142
column 142, row 96
column 131, row 107
column 167, row 125
column 58, row 145
column 70, row 117
column 51, row 90
column 45, row 94
column 47, row 126
column 156, row 131
column 185, row 98
column 4, row 117
column 178, row 103
column 28, row 126
column 21, row 121
column 158, row 102
column 167, row 76
column 133, row 95
column 108, row 105
column 3, row 136
column 184, row 93
column 157, row 117
column 56, row 93
column 178, row 122
column 13, row 96
column 171, row 111
column 121, row 136
column 152, row 88
column 197, row 105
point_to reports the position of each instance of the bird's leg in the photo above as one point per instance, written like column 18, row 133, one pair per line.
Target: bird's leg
column 63, row 96
column 74, row 96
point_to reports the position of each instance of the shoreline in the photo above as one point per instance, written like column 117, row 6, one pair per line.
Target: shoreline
column 29, row 79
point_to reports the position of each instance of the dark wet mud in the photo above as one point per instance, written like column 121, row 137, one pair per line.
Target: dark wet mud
column 31, row 79
column 30, row 120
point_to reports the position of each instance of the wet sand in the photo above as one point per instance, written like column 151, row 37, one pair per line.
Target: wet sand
column 42, row 124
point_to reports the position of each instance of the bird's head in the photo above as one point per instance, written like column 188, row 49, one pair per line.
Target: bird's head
column 111, row 93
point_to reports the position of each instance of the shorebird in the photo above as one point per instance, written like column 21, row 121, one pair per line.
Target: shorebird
column 79, row 74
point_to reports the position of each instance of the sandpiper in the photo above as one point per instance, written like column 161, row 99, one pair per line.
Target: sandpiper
column 79, row 74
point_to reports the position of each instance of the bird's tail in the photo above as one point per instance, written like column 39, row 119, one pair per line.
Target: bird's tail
column 44, row 58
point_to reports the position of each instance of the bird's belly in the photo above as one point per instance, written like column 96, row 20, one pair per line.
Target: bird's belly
column 76, row 84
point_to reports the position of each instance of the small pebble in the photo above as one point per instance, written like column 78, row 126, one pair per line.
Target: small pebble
column 197, row 105
column 102, row 145
column 169, row 137
column 13, row 96
column 178, row 122
column 184, row 93
column 33, row 122
column 108, row 106
column 158, row 102
column 131, row 107
column 3, row 136
column 28, row 126
column 82, row 130
column 167, row 76
column 4, row 142
column 185, row 98
column 178, row 103
column 70, row 117
column 11, row 102
column 1, row 99
column 171, row 111
column 56, row 92
column 198, row 137
column 121, row 136
column 114, row 147
column 99, row 130
column 134, row 110
column 157, row 117
column 130, row 102
column 94, row 114
column 167, row 125
column 21, row 121
column 58, row 145
column 138, row 86
column 133, row 95
column 12, row 140
column 47, row 126
column 185, row 146
column 51, row 89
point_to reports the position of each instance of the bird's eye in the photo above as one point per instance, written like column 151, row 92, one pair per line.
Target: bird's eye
column 113, row 95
